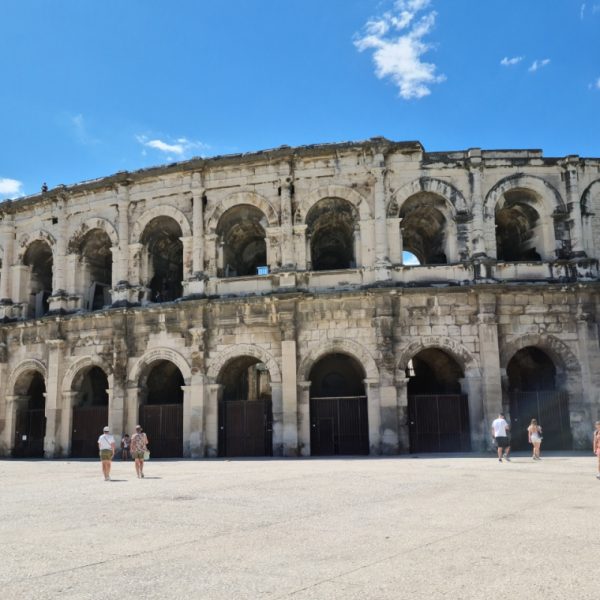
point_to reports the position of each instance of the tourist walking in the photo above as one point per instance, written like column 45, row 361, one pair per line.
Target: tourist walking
column 597, row 446
column 125, row 442
column 500, row 429
column 106, row 447
column 139, row 446
column 534, row 431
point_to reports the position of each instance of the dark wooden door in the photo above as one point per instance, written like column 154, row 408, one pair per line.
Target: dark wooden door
column 245, row 428
column 163, row 425
column 88, row 422
column 30, row 430
column 339, row 426
column 551, row 410
column 439, row 423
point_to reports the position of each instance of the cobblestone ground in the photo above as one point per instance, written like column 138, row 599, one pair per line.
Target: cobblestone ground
column 438, row 527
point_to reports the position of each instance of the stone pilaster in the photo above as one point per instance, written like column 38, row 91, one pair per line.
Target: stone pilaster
column 573, row 205
column 57, row 302
column 288, row 261
column 485, row 388
column 301, row 247
column 54, row 400
column 289, row 395
column 195, row 284
column 211, row 419
column 121, row 293
column 304, row 425
column 7, row 239
column 478, row 248
column 374, row 413
column 194, row 443
column 382, row 261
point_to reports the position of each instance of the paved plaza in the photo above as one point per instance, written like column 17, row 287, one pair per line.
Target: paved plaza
column 347, row 528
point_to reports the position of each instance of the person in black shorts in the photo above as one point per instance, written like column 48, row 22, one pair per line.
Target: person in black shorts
column 500, row 429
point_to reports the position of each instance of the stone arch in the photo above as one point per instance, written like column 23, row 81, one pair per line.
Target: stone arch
column 28, row 238
column 89, row 225
column 30, row 364
column 83, row 363
column 359, row 203
column 242, row 197
column 590, row 193
column 340, row 346
column 222, row 358
column 157, row 354
column 455, row 199
column 457, row 351
column 560, row 353
column 164, row 210
column 544, row 191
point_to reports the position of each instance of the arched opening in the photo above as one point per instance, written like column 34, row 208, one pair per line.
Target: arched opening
column 338, row 407
column 519, row 234
column 245, row 409
column 409, row 259
column 30, row 423
column 90, row 411
column 534, row 394
column 241, row 232
column 424, row 228
column 438, row 412
column 96, row 269
column 162, row 266
column 38, row 257
column 330, row 227
column 161, row 408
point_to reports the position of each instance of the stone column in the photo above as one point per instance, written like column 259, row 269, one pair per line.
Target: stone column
column 211, row 249
column 288, row 261
column 388, row 398
column 54, row 406
column 278, row 417
column 195, row 418
column 211, row 419
column 485, row 405
column 357, row 246
column 300, row 247
column 7, row 440
column 477, row 237
column 395, row 240
column 66, row 422
column 116, row 411
column 132, row 407
column 187, row 243
column 574, row 205
column 374, row 414
column 7, row 239
column 304, row 425
column 121, row 293
column 187, row 409
column 272, row 240
column 403, row 422
column 58, row 300
column 290, row 398
column 382, row 261
column 307, row 250
column 196, row 281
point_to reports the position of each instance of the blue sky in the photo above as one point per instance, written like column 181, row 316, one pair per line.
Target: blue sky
column 90, row 88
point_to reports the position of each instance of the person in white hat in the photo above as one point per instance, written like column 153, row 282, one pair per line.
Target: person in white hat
column 106, row 446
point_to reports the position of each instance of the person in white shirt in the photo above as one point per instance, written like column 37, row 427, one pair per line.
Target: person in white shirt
column 500, row 429
column 106, row 446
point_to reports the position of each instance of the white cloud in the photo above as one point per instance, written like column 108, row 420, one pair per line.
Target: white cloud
column 10, row 187
column 181, row 147
column 398, row 56
column 508, row 62
column 595, row 85
column 538, row 64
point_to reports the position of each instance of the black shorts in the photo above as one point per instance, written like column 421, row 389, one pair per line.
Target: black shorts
column 502, row 442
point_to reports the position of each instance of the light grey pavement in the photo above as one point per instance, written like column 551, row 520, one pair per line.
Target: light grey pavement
column 439, row 527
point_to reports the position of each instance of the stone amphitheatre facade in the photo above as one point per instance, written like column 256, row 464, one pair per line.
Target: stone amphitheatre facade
column 262, row 304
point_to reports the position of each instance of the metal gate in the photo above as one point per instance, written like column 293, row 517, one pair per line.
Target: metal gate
column 163, row 425
column 88, row 422
column 30, row 429
column 551, row 410
column 439, row 423
column 339, row 426
column 245, row 428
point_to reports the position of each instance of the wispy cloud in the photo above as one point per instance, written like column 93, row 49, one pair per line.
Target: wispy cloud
column 509, row 62
column 10, row 187
column 538, row 64
column 582, row 11
column 595, row 85
column 180, row 147
column 396, row 39
column 81, row 131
